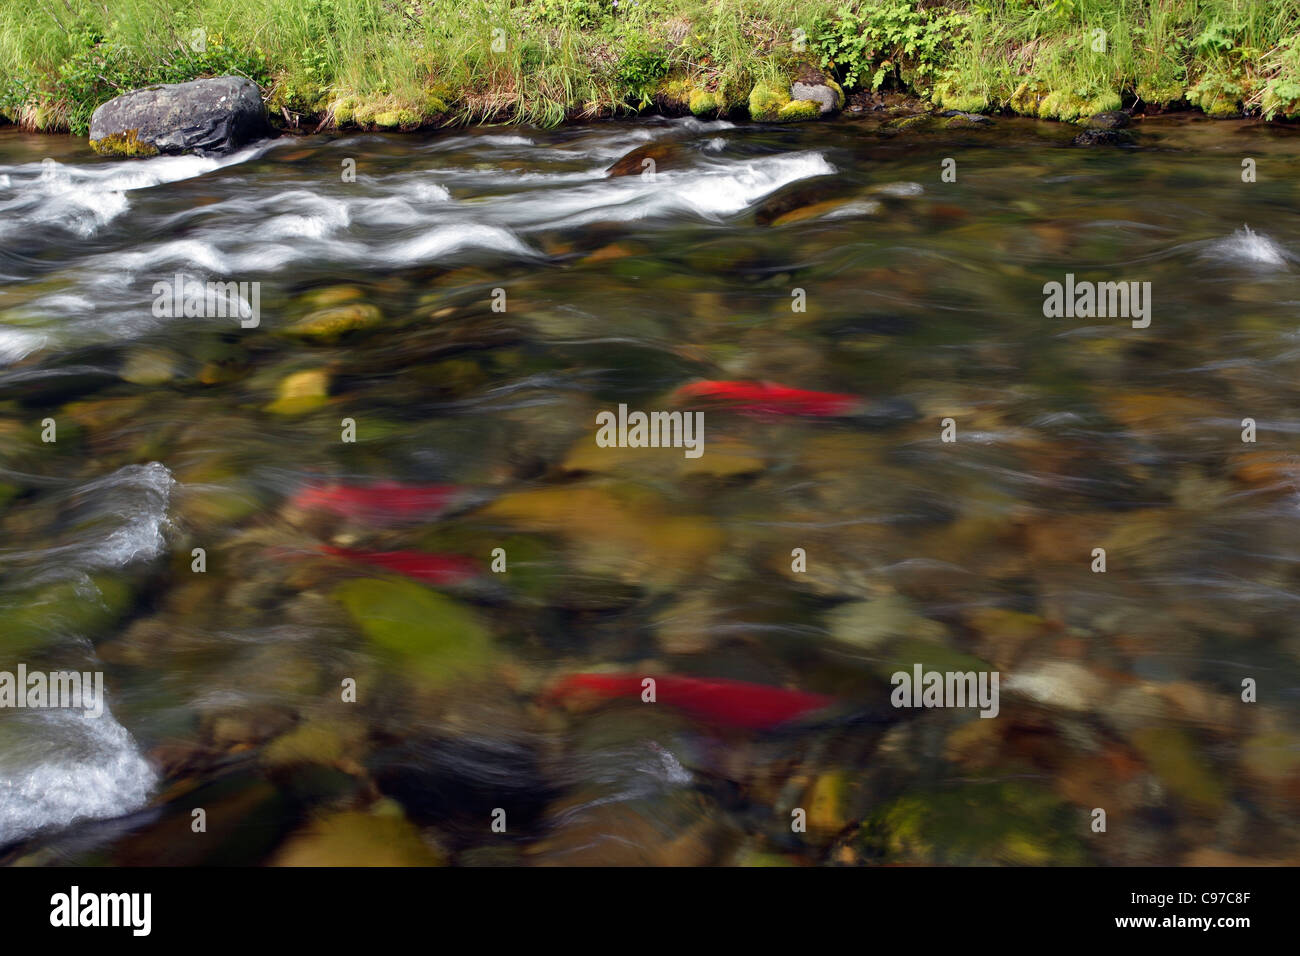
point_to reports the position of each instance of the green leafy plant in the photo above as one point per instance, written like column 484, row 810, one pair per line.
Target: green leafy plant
column 640, row 69
column 895, row 42
column 583, row 14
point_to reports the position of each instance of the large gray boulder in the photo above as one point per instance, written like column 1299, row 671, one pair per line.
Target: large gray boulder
column 202, row 116
column 826, row 95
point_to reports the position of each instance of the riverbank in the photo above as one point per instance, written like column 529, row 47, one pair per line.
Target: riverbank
column 380, row 65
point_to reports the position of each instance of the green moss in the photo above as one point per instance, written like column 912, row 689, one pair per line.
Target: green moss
column 704, row 103
column 915, row 121
column 766, row 100
column 839, row 92
column 674, row 91
column 1063, row 105
column 1028, row 97
column 123, row 144
column 436, row 99
column 397, row 119
column 798, row 111
column 949, row 96
column 1161, row 94
column 1218, row 95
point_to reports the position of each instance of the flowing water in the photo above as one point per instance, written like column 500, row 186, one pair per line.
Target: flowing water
column 434, row 339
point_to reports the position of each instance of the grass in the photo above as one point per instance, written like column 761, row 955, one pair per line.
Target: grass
column 405, row 63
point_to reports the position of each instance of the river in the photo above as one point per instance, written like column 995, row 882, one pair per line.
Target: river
column 346, row 558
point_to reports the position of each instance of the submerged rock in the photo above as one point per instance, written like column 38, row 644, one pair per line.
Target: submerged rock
column 355, row 838
column 328, row 325
column 149, row 367
column 652, row 157
column 1103, row 137
column 209, row 116
column 916, row 121
column 459, row 784
column 301, row 392
column 433, row 635
column 956, row 119
column 977, row 823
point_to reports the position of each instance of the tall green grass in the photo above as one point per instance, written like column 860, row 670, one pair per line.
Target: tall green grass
column 407, row 62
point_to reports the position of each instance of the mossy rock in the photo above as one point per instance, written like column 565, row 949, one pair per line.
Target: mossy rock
column 330, row 324
column 761, row 858
column 798, row 111
column 1028, row 97
column 839, row 92
column 1063, row 105
column 123, row 144
column 978, row 823
column 916, row 121
column 704, row 103
column 966, row 121
column 398, row 119
column 1161, row 94
column 947, row 96
column 766, row 101
column 1071, row 107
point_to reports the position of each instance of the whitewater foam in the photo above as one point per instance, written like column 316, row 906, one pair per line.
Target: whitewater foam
column 1249, row 247
column 58, row 767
